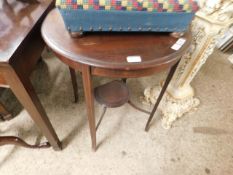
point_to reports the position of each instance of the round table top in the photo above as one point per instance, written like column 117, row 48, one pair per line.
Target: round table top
column 111, row 50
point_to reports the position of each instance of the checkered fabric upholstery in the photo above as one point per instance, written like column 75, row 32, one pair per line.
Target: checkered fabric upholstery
column 131, row 5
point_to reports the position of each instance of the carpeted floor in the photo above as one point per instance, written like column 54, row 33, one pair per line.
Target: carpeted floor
column 199, row 143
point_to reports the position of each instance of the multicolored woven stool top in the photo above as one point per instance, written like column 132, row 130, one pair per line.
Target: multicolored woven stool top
column 131, row 5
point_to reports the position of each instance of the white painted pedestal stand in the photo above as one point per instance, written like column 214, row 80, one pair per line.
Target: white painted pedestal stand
column 214, row 17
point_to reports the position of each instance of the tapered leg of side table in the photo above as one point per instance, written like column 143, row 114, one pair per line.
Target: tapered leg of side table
column 4, row 114
column 164, row 88
column 24, row 91
column 74, row 84
column 88, row 90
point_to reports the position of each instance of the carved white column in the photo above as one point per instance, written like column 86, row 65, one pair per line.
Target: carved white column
column 214, row 17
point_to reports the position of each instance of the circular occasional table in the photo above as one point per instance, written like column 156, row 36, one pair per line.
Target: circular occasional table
column 121, row 55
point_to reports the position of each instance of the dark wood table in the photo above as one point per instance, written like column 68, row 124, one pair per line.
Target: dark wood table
column 105, row 54
column 20, row 48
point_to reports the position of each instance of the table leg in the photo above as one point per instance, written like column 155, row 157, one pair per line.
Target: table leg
column 88, row 90
column 166, row 83
column 19, row 142
column 4, row 114
column 74, row 84
column 24, row 91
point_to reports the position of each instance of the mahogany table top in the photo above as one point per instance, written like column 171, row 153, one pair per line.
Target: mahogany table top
column 110, row 50
column 16, row 21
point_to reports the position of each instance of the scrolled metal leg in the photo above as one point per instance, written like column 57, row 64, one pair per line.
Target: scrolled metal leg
column 166, row 83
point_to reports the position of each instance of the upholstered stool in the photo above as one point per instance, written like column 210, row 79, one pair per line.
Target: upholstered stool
column 127, row 15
